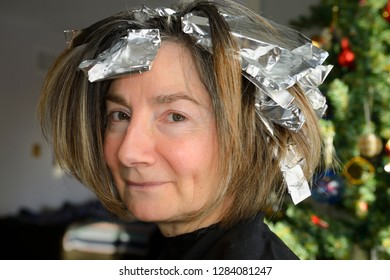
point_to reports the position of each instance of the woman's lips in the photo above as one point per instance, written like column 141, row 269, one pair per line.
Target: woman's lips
column 145, row 184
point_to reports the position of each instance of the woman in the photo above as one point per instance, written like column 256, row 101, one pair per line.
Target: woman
column 195, row 118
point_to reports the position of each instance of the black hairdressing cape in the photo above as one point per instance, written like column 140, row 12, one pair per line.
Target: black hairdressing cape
column 247, row 240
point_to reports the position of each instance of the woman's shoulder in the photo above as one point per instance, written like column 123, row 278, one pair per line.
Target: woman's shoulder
column 247, row 240
column 250, row 240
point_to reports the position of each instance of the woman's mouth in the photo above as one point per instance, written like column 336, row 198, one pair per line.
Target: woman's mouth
column 145, row 184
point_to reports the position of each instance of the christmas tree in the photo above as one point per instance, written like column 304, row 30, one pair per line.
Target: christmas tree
column 348, row 215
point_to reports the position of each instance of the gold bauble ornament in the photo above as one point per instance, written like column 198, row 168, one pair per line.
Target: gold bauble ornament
column 358, row 170
column 370, row 145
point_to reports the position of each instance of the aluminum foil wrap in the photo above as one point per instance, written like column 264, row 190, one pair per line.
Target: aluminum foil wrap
column 133, row 53
column 146, row 13
column 291, row 167
column 272, row 68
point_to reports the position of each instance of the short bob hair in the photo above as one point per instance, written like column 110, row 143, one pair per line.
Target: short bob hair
column 73, row 114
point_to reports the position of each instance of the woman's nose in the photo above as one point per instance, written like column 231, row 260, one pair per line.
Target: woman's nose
column 138, row 144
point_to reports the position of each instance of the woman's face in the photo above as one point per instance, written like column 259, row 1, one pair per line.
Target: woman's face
column 161, row 142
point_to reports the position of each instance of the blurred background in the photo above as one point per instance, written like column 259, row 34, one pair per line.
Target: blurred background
column 45, row 214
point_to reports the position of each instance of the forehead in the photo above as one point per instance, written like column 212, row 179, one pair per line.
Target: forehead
column 174, row 64
column 173, row 70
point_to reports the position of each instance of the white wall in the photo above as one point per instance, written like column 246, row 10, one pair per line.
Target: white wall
column 26, row 181
column 33, row 182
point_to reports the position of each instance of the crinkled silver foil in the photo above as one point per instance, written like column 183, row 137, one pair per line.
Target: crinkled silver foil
column 272, row 68
column 199, row 28
column 133, row 53
column 290, row 116
column 297, row 185
column 291, row 167
column 146, row 13
column 309, row 84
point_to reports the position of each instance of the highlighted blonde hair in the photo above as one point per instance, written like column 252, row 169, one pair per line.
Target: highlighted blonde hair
column 73, row 114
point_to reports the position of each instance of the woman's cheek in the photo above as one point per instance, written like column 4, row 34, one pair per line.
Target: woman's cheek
column 110, row 148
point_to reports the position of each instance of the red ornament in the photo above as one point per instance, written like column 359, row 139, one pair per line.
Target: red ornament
column 386, row 12
column 387, row 147
column 319, row 222
column 345, row 44
column 346, row 57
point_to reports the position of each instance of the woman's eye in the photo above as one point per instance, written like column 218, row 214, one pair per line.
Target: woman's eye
column 176, row 117
column 119, row 116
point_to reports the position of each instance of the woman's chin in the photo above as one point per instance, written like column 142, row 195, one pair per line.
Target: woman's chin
column 146, row 215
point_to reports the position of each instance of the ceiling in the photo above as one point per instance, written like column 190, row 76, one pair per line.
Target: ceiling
column 56, row 15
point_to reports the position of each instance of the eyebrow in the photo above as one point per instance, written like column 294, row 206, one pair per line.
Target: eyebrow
column 116, row 98
column 156, row 100
column 170, row 98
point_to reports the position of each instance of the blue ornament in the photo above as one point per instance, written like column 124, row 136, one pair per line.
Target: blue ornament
column 328, row 187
